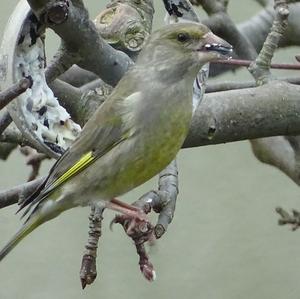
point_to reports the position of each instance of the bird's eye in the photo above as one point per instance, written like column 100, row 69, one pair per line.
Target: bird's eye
column 183, row 37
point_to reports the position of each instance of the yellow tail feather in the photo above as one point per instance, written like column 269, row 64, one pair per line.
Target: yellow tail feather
column 27, row 228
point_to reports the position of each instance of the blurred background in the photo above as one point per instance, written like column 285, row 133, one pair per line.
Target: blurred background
column 224, row 242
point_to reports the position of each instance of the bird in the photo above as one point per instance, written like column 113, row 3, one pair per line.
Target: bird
column 134, row 134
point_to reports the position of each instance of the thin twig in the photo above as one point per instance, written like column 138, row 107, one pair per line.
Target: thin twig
column 34, row 159
column 12, row 135
column 88, row 271
column 277, row 151
column 247, row 63
column 5, row 121
column 260, row 68
column 6, row 149
column 286, row 218
column 15, row 90
column 230, row 85
column 221, row 24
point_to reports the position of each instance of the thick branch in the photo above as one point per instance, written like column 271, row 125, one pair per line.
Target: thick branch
column 62, row 61
column 126, row 25
column 268, row 110
column 81, row 103
column 16, row 194
column 80, row 35
column 77, row 76
column 14, row 136
column 70, row 98
column 227, row 116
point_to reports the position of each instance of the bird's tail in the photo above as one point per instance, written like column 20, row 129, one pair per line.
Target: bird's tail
column 27, row 228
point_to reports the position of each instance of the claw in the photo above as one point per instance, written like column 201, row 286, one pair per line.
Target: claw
column 111, row 224
column 148, row 271
column 140, row 230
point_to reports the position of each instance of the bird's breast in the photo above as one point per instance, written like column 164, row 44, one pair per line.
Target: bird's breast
column 159, row 124
column 160, row 129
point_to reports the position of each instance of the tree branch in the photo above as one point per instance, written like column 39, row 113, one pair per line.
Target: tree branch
column 5, row 121
column 227, row 125
column 163, row 200
column 268, row 110
column 16, row 194
column 34, row 159
column 228, row 85
column 292, row 220
column 260, row 68
column 95, row 54
column 88, row 271
column 221, row 24
column 14, row 136
column 243, row 62
column 11, row 93
column 6, row 149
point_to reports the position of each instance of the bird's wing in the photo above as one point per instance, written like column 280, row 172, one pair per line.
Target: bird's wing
column 102, row 132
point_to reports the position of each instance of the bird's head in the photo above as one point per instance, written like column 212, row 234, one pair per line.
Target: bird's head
column 184, row 45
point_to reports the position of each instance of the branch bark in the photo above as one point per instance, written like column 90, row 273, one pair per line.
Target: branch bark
column 224, row 117
column 88, row 271
column 250, row 113
column 94, row 54
column 11, row 93
column 16, row 194
column 5, row 121
column 230, row 85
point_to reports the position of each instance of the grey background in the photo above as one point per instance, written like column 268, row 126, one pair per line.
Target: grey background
column 223, row 243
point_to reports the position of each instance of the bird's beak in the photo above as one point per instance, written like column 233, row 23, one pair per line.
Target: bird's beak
column 213, row 43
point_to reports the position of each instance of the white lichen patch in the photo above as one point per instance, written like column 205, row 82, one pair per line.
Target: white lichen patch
column 45, row 118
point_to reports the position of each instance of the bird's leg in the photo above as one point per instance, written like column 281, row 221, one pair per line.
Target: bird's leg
column 133, row 216
column 124, row 208
column 140, row 232
column 133, row 219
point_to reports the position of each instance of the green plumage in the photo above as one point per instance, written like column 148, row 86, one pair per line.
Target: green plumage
column 134, row 135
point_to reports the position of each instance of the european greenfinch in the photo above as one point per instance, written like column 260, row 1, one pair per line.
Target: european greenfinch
column 135, row 134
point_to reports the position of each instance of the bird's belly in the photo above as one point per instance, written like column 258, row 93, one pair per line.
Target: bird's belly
column 136, row 159
column 122, row 171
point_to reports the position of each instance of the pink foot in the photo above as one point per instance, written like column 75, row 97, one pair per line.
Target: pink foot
column 139, row 229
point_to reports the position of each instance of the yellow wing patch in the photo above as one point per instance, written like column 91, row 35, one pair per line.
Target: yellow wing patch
column 80, row 165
